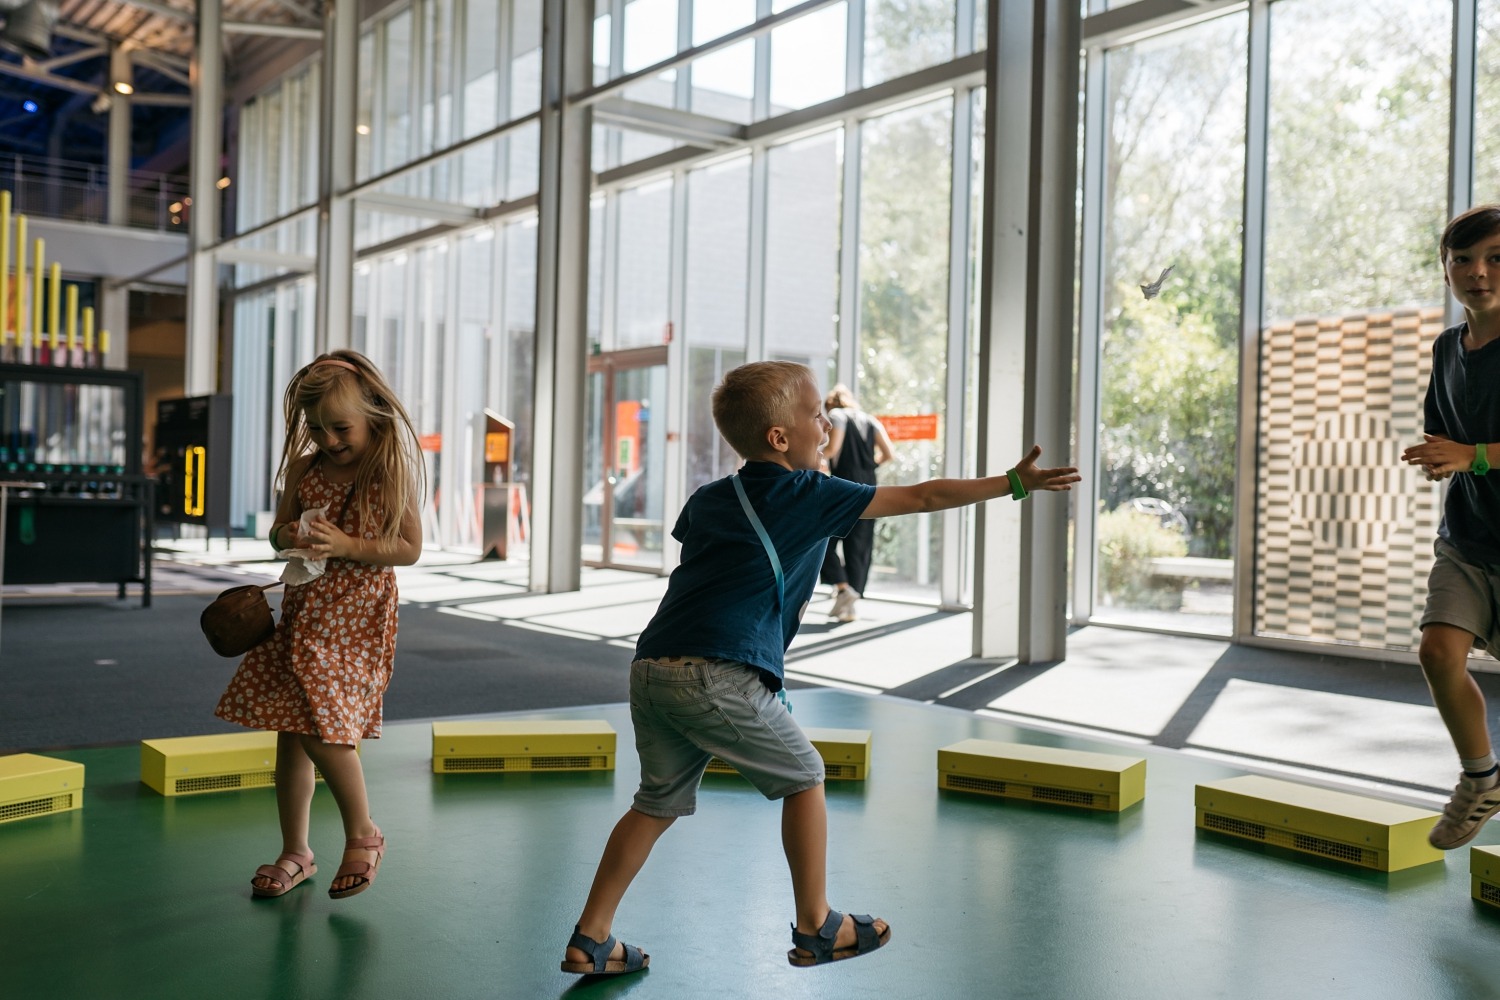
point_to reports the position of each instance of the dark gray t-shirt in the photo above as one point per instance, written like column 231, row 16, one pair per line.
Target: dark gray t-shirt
column 1463, row 403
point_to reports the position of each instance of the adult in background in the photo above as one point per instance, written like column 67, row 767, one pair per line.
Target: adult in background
column 857, row 445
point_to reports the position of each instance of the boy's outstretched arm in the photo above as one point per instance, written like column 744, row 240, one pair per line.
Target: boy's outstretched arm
column 941, row 494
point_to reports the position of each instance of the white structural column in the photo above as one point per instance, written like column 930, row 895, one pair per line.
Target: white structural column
column 1026, row 321
column 206, row 75
column 1461, row 139
column 1252, row 312
column 1090, row 308
column 114, row 300
column 335, row 269
column 562, row 297
column 120, row 71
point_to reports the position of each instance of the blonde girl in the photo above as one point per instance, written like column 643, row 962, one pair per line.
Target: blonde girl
column 320, row 679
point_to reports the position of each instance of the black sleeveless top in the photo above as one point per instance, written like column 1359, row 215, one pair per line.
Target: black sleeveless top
column 856, row 458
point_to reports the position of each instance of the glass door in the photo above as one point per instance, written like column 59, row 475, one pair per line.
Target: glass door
column 624, row 500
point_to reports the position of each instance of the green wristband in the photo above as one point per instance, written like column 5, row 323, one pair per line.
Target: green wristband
column 274, row 532
column 1017, row 488
column 1481, row 461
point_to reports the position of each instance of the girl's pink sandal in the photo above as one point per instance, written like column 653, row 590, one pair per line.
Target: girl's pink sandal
column 283, row 879
column 362, row 870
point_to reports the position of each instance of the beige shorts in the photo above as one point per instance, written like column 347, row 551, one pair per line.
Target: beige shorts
column 688, row 710
column 1463, row 594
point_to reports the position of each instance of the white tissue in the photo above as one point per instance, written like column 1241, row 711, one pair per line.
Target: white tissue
column 299, row 568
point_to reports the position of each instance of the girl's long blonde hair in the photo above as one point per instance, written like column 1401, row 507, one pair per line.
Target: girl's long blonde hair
column 392, row 464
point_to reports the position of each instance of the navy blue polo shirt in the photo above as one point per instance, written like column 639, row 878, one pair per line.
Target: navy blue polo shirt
column 1463, row 403
column 721, row 600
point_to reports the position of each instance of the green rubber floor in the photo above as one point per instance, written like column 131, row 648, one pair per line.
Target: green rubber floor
column 143, row 896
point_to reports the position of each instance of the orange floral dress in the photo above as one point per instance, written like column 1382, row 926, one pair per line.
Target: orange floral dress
column 325, row 670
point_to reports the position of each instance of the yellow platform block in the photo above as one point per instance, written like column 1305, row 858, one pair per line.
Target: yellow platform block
column 192, row 765
column 32, row 785
column 1371, row 833
column 845, row 753
column 1100, row 781
column 522, row 745
column 1484, row 874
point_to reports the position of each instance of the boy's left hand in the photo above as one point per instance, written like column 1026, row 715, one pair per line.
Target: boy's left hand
column 328, row 541
column 1056, row 480
column 1439, row 456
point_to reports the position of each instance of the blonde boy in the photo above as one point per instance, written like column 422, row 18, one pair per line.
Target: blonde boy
column 709, row 665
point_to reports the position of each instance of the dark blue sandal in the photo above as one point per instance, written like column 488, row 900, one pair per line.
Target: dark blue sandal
column 602, row 965
column 820, row 945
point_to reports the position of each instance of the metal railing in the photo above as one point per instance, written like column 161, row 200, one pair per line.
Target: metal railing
column 63, row 189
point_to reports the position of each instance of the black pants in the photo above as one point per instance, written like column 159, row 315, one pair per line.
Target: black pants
column 859, row 549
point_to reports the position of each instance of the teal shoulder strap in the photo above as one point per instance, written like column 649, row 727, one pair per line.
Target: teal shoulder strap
column 765, row 539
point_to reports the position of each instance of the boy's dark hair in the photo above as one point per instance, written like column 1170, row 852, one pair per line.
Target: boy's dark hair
column 1468, row 228
column 755, row 397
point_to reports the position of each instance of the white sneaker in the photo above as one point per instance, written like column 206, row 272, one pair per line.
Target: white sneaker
column 843, row 605
column 1472, row 804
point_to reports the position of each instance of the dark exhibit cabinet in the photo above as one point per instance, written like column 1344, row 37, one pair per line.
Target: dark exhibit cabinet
column 73, row 437
column 192, row 461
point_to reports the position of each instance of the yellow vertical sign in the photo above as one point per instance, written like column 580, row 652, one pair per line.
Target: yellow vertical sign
column 193, row 475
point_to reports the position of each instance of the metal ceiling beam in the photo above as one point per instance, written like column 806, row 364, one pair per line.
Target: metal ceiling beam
column 81, row 34
column 274, row 30
column 153, row 60
column 80, row 87
column 239, row 27
column 162, row 100
column 50, row 79
column 307, row 15
column 161, row 10
column 92, row 52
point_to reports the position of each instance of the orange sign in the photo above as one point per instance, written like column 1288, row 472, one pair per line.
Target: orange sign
column 627, row 436
column 911, row 427
column 497, row 446
column 430, row 442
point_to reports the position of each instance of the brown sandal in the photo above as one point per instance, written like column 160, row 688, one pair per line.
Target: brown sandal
column 284, row 878
column 362, row 870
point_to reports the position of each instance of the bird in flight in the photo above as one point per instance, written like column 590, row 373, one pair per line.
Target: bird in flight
column 1150, row 290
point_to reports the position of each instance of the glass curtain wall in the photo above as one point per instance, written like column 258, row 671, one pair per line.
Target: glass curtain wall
column 829, row 246
column 1333, row 331
column 1356, row 196
column 801, row 294
column 1169, row 363
column 904, row 216
column 794, row 245
column 450, row 321
column 1487, row 104
column 716, row 317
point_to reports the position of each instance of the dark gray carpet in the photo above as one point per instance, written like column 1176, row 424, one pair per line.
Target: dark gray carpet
column 80, row 672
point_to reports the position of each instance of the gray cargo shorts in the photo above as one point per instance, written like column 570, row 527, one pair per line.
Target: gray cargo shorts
column 687, row 710
column 1463, row 594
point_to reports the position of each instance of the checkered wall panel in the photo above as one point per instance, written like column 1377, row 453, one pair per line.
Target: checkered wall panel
column 1344, row 531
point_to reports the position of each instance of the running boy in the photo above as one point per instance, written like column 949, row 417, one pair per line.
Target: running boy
column 709, row 665
column 1462, row 416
